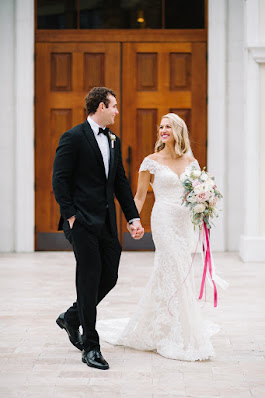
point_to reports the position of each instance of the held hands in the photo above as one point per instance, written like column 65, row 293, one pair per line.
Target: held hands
column 136, row 230
column 71, row 221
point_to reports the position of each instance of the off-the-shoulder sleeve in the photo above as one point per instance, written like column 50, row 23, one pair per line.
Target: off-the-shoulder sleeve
column 150, row 165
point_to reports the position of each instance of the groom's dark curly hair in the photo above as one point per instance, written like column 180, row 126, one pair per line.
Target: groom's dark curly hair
column 95, row 97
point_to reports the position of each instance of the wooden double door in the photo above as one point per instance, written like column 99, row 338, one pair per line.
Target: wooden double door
column 150, row 79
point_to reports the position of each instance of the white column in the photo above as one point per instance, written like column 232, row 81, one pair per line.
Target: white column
column 7, row 118
column 24, row 129
column 251, row 243
column 234, row 123
column 217, row 10
column 262, row 147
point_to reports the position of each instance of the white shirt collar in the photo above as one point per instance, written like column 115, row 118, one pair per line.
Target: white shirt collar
column 95, row 127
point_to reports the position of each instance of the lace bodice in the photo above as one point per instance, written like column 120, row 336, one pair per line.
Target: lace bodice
column 167, row 186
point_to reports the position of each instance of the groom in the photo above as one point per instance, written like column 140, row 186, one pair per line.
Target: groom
column 87, row 173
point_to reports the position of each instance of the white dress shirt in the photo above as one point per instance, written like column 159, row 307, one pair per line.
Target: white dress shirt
column 103, row 143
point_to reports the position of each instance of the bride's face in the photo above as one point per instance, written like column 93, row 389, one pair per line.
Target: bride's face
column 166, row 132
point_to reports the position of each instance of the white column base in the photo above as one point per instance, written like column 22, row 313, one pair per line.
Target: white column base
column 252, row 248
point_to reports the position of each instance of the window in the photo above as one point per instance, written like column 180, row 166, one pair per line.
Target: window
column 120, row 14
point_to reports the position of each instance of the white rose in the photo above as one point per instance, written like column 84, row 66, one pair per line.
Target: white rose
column 196, row 173
column 199, row 208
column 211, row 182
column 207, row 186
column 204, row 176
column 203, row 187
column 198, row 189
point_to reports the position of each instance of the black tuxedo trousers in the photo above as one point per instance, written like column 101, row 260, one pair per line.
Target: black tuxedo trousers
column 97, row 263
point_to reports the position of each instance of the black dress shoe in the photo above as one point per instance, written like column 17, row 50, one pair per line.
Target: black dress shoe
column 73, row 333
column 94, row 359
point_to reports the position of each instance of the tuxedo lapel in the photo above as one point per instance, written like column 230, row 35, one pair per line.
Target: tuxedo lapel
column 111, row 152
column 93, row 143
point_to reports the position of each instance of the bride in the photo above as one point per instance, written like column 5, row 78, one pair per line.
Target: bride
column 178, row 332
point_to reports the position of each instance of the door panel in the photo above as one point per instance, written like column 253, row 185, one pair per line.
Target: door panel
column 65, row 72
column 159, row 78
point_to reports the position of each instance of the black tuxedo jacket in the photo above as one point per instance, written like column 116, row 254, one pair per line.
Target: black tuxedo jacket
column 80, row 185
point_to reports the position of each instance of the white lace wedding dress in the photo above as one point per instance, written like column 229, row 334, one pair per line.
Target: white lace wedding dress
column 180, row 333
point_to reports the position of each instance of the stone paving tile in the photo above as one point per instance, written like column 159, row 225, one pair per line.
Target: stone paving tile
column 35, row 391
column 76, row 391
column 9, row 392
column 258, row 392
column 37, row 360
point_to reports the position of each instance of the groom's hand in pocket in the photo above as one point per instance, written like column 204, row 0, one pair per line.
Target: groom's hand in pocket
column 71, row 221
column 136, row 230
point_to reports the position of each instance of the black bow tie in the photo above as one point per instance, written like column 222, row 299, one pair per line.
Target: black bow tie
column 103, row 131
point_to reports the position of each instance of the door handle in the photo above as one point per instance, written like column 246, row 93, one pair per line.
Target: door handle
column 129, row 161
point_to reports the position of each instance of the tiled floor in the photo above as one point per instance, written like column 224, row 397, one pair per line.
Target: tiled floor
column 37, row 360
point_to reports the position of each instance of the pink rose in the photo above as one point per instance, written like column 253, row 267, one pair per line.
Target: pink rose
column 213, row 201
column 202, row 197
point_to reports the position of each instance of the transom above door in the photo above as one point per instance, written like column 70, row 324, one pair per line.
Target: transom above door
column 121, row 14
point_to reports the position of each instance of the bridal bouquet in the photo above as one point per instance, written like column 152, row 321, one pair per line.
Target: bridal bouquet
column 200, row 195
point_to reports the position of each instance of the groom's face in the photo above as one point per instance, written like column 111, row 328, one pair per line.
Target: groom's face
column 111, row 111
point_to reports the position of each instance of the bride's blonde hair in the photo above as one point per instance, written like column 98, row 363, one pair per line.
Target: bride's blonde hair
column 180, row 133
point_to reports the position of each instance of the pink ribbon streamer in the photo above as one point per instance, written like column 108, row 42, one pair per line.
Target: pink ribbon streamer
column 208, row 263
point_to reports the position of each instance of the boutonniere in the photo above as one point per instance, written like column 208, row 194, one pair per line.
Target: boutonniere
column 113, row 139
